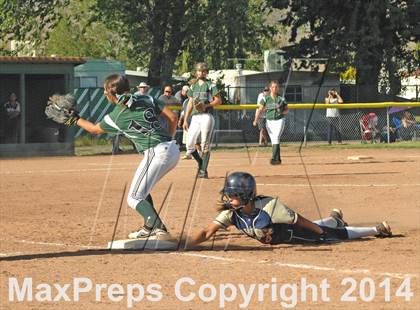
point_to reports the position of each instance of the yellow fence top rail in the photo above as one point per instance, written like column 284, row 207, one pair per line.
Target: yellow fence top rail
column 302, row 106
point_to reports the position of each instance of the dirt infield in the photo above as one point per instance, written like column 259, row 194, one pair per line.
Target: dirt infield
column 57, row 214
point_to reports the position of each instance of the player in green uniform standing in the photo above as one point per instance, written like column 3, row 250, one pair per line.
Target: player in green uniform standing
column 276, row 109
column 136, row 117
column 203, row 96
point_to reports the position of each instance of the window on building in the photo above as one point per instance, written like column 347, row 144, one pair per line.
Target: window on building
column 294, row 93
column 86, row 82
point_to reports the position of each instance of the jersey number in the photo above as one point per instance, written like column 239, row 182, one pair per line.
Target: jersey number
column 149, row 117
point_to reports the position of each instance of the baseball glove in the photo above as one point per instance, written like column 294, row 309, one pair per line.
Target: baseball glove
column 199, row 105
column 62, row 109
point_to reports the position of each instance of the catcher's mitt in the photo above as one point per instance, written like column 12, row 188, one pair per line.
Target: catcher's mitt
column 62, row 109
column 199, row 105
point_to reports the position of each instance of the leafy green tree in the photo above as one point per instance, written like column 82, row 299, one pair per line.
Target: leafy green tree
column 161, row 35
column 77, row 35
column 153, row 29
column 227, row 30
column 370, row 35
column 174, row 34
column 28, row 21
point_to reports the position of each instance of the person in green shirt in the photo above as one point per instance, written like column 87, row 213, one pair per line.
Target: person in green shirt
column 136, row 117
column 275, row 107
column 203, row 96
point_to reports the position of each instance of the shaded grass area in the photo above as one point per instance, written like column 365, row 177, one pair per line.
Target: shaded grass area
column 86, row 146
column 358, row 145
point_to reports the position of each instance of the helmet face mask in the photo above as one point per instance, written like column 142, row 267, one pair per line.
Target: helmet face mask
column 240, row 186
column 235, row 193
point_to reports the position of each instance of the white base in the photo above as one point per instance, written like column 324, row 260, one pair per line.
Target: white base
column 142, row 244
column 359, row 157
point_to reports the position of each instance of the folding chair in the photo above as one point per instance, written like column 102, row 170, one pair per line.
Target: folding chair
column 368, row 127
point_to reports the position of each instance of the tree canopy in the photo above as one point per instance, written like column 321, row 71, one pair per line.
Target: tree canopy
column 164, row 31
column 29, row 21
column 375, row 37
column 372, row 36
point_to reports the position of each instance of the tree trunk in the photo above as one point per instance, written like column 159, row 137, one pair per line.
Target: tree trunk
column 157, row 27
column 367, row 76
column 175, row 38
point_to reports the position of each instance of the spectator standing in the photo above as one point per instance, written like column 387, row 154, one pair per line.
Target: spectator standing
column 181, row 94
column 408, row 127
column 12, row 109
column 168, row 98
column 333, row 115
column 142, row 89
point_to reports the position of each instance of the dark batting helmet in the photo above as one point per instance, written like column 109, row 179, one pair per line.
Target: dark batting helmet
column 240, row 185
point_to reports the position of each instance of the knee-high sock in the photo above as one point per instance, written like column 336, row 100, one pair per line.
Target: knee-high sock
column 148, row 212
column 276, row 152
column 359, row 232
column 197, row 158
column 149, row 199
column 206, row 159
column 328, row 221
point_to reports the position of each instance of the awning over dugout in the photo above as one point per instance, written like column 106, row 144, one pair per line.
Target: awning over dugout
column 41, row 60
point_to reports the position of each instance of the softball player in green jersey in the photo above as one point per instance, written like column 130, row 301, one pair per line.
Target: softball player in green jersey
column 276, row 109
column 136, row 117
column 203, row 97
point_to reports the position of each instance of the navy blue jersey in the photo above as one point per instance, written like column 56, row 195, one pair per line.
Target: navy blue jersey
column 258, row 224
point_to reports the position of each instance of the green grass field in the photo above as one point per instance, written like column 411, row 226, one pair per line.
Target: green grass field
column 86, row 146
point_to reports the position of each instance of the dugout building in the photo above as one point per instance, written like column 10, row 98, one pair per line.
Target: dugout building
column 33, row 80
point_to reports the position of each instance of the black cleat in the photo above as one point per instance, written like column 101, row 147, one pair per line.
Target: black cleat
column 202, row 174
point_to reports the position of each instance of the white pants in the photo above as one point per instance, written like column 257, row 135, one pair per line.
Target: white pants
column 204, row 124
column 157, row 162
column 275, row 129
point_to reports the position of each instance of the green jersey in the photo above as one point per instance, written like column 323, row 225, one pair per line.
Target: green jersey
column 273, row 107
column 204, row 92
column 137, row 119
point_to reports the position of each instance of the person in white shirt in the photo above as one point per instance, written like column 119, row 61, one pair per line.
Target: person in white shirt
column 333, row 116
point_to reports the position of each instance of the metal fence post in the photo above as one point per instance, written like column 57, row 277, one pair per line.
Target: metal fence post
column 304, row 128
column 387, row 126
column 217, row 127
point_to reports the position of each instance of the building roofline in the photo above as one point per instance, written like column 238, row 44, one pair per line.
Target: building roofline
column 42, row 60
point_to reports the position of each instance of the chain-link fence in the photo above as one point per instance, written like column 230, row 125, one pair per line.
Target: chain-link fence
column 307, row 93
column 235, row 125
column 366, row 125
